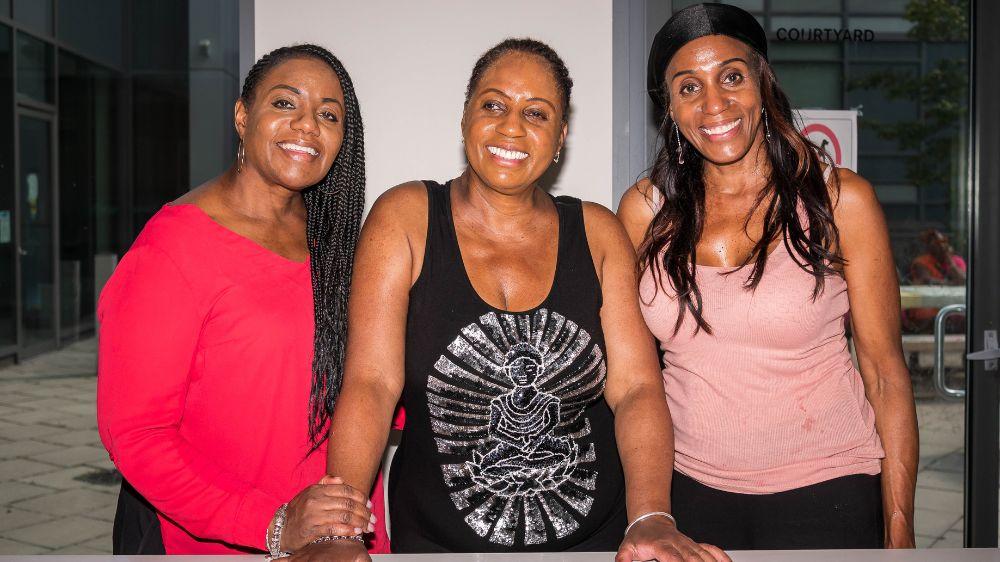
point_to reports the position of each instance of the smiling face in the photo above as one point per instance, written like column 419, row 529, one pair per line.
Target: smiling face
column 294, row 126
column 513, row 123
column 715, row 97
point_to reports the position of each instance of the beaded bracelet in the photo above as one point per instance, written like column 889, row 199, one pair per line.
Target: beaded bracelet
column 329, row 538
column 273, row 540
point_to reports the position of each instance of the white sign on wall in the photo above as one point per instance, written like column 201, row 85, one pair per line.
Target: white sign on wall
column 835, row 131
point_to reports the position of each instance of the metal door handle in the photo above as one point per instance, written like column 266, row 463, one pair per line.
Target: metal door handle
column 939, row 383
column 990, row 352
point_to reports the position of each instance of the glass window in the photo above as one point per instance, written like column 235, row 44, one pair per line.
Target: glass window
column 36, row 229
column 880, row 7
column 8, row 253
column 161, row 142
column 89, row 190
column 806, row 6
column 34, row 68
column 77, row 29
column 881, row 25
column 810, row 85
column 805, row 26
column 788, row 51
column 882, row 92
column 887, row 50
column 5, row 8
column 36, row 14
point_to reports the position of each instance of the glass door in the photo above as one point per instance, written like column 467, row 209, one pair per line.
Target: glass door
column 916, row 81
column 36, row 225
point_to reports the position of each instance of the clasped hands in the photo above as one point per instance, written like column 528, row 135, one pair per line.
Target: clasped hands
column 328, row 508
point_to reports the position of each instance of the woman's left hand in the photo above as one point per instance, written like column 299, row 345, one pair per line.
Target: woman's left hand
column 657, row 538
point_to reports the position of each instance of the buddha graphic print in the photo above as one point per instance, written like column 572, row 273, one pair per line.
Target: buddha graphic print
column 508, row 396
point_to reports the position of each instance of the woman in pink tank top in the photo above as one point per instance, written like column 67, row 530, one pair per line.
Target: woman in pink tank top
column 753, row 252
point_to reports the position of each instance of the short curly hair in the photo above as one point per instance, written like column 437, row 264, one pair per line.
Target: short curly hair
column 529, row 47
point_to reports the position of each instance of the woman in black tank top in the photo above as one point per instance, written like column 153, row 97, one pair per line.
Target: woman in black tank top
column 508, row 322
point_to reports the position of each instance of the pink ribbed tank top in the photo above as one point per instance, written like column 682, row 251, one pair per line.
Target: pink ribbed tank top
column 770, row 401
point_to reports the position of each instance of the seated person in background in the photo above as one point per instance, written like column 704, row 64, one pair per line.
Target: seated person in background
column 937, row 265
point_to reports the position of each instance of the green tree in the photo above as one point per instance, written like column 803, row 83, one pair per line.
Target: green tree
column 941, row 92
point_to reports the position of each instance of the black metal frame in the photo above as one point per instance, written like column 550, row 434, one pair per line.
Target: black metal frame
column 982, row 408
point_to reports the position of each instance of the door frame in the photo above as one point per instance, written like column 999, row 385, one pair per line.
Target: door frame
column 982, row 407
column 24, row 350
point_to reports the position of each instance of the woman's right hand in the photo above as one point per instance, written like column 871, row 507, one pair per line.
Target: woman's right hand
column 327, row 508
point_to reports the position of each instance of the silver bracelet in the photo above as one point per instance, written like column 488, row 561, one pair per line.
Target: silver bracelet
column 647, row 516
column 329, row 538
column 274, row 540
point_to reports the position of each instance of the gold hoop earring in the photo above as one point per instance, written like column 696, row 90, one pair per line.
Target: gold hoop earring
column 240, row 157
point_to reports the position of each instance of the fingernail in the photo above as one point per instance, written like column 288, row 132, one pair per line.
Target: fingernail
column 373, row 518
column 357, row 530
column 369, row 504
column 371, row 528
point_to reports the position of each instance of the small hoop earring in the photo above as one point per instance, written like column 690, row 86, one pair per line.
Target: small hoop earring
column 767, row 129
column 556, row 159
column 680, row 149
column 240, row 157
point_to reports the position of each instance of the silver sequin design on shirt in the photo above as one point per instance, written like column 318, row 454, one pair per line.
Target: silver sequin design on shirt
column 508, row 398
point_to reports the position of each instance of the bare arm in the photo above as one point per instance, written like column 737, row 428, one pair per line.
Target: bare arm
column 874, row 295
column 634, row 391
column 373, row 370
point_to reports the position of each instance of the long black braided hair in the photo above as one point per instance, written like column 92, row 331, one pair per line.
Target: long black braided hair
column 333, row 220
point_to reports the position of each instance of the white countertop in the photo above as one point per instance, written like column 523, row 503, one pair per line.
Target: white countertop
column 924, row 555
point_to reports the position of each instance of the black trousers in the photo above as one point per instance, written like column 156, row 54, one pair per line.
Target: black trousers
column 844, row 512
column 137, row 528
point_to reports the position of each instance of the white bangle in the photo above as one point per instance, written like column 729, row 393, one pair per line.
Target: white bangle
column 647, row 516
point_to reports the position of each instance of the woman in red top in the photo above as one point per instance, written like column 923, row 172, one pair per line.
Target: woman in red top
column 222, row 330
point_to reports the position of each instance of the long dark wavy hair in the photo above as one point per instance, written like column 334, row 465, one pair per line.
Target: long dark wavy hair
column 333, row 207
column 796, row 183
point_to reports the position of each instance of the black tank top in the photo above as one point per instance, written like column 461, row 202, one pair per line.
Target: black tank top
column 508, row 443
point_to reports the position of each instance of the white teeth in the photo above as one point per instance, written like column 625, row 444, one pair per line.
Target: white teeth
column 508, row 154
column 722, row 129
column 298, row 148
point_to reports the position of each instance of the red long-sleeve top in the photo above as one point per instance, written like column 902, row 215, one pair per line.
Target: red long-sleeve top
column 204, row 372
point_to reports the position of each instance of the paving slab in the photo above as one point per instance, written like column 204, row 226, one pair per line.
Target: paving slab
column 15, row 548
column 67, row 502
column 11, row 518
column 26, row 447
column 60, row 532
column 72, row 456
column 13, row 469
column 932, row 523
column 11, row 492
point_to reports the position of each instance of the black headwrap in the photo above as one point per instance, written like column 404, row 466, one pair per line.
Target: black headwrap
column 694, row 22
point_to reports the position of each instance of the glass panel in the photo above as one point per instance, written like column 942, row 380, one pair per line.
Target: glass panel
column 5, row 8
column 807, row 28
column 161, row 143
column 748, row 5
column 8, row 251
column 89, row 198
column 805, row 6
column 881, row 25
column 34, row 68
column 784, row 51
column 913, row 126
column 76, row 28
column 891, row 50
column 880, row 7
column 37, row 221
column 36, row 14
column 811, row 85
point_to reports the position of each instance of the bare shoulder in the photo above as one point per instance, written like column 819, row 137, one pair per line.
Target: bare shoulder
column 637, row 209
column 854, row 196
column 403, row 206
column 605, row 232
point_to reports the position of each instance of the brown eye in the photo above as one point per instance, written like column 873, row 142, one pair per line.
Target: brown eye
column 733, row 78
column 688, row 88
column 493, row 106
column 536, row 114
column 330, row 116
column 283, row 104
